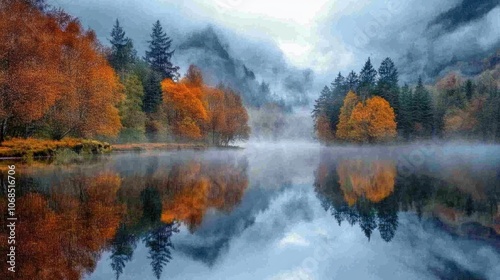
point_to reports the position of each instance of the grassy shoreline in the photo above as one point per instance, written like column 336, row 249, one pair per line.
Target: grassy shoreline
column 31, row 148
column 137, row 147
column 35, row 148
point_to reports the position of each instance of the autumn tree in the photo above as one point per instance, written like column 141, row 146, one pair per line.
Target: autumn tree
column 236, row 118
column 132, row 117
column 186, row 109
column 30, row 56
column 344, row 127
column 373, row 122
column 369, row 121
column 92, row 89
column 196, row 111
column 323, row 129
column 55, row 77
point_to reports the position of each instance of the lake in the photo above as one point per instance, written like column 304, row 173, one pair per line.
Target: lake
column 269, row 211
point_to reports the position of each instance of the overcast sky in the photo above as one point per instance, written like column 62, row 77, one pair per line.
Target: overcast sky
column 325, row 35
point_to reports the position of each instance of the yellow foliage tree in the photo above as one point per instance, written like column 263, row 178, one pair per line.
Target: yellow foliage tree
column 343, row 127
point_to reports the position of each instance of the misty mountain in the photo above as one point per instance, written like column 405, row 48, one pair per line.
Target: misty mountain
column 462, row 38
column 213, row 54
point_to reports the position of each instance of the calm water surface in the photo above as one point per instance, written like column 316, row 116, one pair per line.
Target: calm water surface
column 275, row 211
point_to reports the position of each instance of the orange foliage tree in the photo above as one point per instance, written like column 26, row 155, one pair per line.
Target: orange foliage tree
column 30, row 80
column 54, row 74
column 232, row 119
column 323, row 129
column 196, row 111
column 185, row 109
column 370, row 122
column 92, row 90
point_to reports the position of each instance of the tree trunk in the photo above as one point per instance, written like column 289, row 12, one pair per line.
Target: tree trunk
column 3, row 129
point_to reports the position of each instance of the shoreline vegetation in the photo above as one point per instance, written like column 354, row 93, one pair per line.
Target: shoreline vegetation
column 110, row 93
column 68, row 148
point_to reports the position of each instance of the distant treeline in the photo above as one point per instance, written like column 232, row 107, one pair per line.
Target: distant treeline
column 58, row 80
column 467, row 108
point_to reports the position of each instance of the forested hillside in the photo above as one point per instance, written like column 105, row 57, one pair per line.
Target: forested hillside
column 373, row 106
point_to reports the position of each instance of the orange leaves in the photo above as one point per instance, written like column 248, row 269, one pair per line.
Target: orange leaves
column 323, row 129
column 382, row 125
column 92, row 92
column 194, row 188
column 29, row 57
column 373, row 180
column 370, row 122
column 186, row 108
column 64, row 233
column 235, row 119
column 196, row 110
column 54, row 72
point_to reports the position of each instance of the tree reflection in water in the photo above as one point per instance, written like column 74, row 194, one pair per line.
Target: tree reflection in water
column 65, row 228
column 369, row 192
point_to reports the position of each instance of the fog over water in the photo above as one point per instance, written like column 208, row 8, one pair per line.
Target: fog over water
column 285, row 227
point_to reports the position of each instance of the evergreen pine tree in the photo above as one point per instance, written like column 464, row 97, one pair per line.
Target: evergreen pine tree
column 387, row 216
column 320, row 103
column 387, row 85
column 153, row 96
column 469, row 89
column 367, row 80
column 405, row 123
column 122, row 49
column 159, row 244
column 338, row 86
column 122, row 249
column 352, row 81
column 158, row 56
column 422, row 109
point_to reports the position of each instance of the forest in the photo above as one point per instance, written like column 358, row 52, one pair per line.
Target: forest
column 57, row 80
column 372, row 107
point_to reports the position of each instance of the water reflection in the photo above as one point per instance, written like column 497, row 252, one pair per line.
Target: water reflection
column 217, row 215
column 360, row 191
column 61, row 233
column 370, row 192
column 65, row 228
